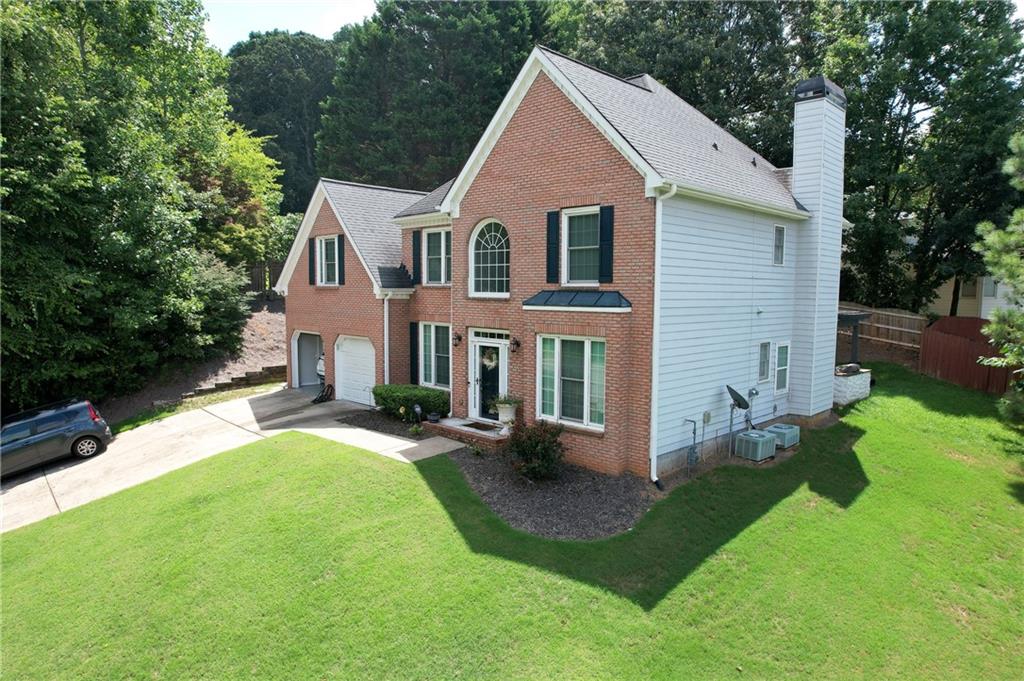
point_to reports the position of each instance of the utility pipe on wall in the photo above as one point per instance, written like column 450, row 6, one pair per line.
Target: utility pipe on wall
column 655, row 364
column 387, row 339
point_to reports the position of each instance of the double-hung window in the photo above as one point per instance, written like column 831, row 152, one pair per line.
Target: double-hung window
column 779, row 247
column 764, row 358
column 571, row 380
column 327, row 261
column 782, row 368
column 437, row 258
column 581, row 250
column 435, row 355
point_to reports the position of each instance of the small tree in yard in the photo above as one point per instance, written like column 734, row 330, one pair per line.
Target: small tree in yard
column 1003, row 252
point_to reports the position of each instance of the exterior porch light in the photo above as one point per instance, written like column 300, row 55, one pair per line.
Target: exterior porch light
column 514, row 344
column 456, row 339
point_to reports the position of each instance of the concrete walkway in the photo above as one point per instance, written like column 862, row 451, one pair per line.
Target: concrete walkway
column 157, row 448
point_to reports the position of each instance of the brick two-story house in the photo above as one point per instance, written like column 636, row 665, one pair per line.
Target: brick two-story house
column 607, row 254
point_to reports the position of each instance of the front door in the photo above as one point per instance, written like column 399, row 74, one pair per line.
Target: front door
column 488, row 376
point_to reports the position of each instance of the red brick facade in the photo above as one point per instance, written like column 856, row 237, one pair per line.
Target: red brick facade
column 548, row 158
column 350, row 309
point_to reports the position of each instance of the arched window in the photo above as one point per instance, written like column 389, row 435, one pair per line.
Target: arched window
column 490, row 255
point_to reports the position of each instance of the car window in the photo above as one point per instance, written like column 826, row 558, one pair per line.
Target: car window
column 15, row 432
column 52, row 422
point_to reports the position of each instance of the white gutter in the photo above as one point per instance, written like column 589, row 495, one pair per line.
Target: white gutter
column 387, row 338
column 655, row 363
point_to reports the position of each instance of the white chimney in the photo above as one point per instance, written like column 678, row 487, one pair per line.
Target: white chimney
column 819, row 132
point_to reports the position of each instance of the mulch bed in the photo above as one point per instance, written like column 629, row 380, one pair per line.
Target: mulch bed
column 371, row 419
column 873, row 351
column 579, row 504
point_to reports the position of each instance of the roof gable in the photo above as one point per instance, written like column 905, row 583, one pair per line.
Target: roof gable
column 664, row 138
column 365, row 214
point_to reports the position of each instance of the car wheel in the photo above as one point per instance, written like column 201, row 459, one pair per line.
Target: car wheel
column 86, row 447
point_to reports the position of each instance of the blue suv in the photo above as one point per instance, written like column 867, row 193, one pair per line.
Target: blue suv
column 50, row 432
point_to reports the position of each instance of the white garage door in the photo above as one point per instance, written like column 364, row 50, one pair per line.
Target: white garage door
column 355, row 370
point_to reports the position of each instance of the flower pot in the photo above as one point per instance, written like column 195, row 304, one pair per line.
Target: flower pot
column 433, row 417
column 506, row 414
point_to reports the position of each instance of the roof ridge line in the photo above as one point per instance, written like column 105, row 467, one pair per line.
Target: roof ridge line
column 594, row 68
column 373, row 186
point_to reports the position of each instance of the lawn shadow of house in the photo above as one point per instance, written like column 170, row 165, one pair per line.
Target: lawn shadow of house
column 678, row 534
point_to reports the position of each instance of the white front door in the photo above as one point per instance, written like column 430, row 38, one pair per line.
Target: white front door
column 488, row 371
column 355, row 369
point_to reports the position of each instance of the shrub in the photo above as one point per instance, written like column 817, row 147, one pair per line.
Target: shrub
column 399, row 400
column 537, row 449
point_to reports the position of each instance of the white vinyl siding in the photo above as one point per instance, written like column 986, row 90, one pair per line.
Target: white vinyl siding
column 721, row 299
column 327, row 261
column 437, row 256
column 571, row 380
column 581, row 246
column 435, row 355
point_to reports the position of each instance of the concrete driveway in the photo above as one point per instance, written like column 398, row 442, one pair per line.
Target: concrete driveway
column 157, row 448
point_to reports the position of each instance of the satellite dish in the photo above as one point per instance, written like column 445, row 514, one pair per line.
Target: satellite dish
column 737, row 399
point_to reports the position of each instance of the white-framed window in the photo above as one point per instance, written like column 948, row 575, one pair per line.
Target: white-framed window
column 571, row 380
column 989, row 290
column 969, row 288
column 782, row 368
column 764, row 359
column 437, row 256
column 489, row 261
column 779, row 247
column 327, row 261
column 581, row 246
column 435, row 355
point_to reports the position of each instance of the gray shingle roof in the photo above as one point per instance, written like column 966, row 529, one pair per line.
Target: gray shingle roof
column 429, row 203
column 367, row 212
column 675, row 138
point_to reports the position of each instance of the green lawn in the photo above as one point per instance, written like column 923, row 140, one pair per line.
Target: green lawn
column 889, row 546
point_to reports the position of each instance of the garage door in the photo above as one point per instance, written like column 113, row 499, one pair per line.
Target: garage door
column 355, row 370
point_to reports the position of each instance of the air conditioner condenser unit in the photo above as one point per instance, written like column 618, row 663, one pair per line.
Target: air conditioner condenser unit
column 787, row 434
column 756, row 445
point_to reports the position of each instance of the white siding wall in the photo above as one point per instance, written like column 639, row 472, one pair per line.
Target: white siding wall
column 716, row 272
column 818, row 149
column 990, row 303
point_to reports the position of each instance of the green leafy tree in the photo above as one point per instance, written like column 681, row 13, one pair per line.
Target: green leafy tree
column 275, row 85
column 1003, row 253
column 932, row 93
column 103, row 281
column 416, row 86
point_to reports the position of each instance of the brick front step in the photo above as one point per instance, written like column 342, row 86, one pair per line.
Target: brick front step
column 455, row 429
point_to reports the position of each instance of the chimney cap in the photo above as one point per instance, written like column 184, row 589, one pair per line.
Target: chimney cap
column 820, row 87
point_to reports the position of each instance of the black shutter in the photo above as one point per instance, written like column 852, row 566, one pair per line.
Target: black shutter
column 416, row 259
column 553, row 277
column 606, row 240
column 312, row 262
column 340, row 250
column 414, row 350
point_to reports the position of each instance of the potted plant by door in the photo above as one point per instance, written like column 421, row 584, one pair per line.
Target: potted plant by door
column 506, row 406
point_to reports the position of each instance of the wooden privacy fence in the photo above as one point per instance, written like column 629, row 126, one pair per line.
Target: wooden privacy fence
column 895, row 327
column 950, row 349
column 263, row 276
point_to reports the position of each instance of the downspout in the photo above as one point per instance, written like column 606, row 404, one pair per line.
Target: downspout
column 387, row 338
column 655, row 362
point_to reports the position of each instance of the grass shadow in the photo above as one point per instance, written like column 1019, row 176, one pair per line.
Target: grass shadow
column 677, row 535
column 934, row 394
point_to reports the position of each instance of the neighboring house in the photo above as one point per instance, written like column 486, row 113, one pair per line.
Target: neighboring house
column 978, row 298
column 607, row 253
